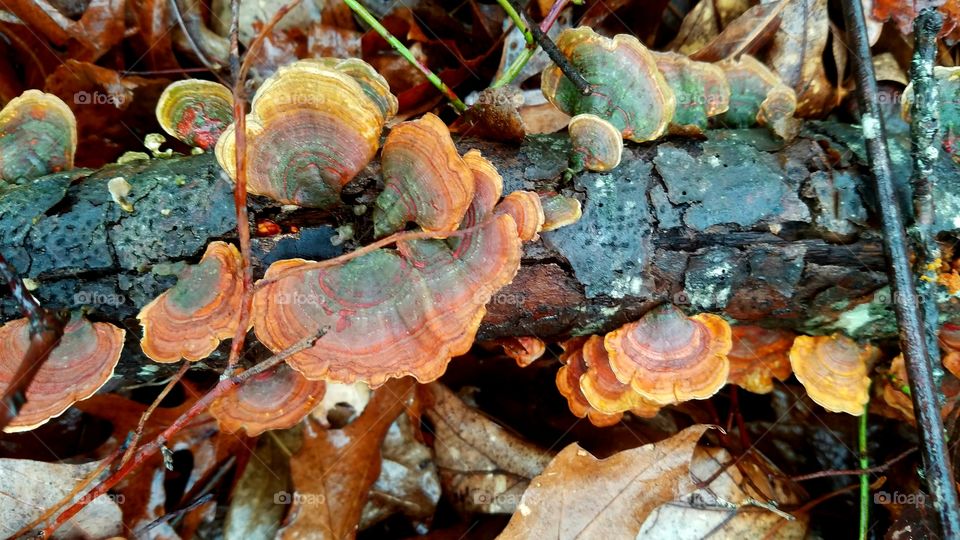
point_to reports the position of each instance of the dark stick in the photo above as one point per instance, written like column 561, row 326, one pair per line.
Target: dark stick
column 924, row 126
column 554, row 53
column 46, row 329
column 936, row 460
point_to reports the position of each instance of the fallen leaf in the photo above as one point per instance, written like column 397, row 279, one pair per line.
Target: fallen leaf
column 254, row 510
column 30, row 487
column 746, row 34
column 580, row 496
column 483, row 467
column 334, row 469
column 698, row 28
column 741, row 502
column 797, row 55
column 495, row 116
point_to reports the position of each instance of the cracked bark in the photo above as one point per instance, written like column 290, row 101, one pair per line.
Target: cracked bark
column 737, row 224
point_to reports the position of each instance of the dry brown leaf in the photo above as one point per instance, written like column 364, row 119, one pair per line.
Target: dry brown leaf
column 580, row 496
column 746, row 34
column 254, row 512
column 334, row 469
column 797, row 55
column 30, row 487
column 698, row 28
column 734, row 505
column 483, row 467
column 495, row 116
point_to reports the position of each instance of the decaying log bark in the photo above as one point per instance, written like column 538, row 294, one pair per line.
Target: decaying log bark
column 738, row 224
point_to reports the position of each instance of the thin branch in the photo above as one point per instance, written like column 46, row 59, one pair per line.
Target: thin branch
column 518, row 22
column 855, row 472
column 135, row 437
column 514, row 69
column 549, row 47
column 938, row 472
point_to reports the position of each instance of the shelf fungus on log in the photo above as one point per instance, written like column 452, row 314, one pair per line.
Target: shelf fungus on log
column 313, row 126
column 559, row 211
column 525, row 350
column 190, row 319
column 948, row 88
column 670, row 358
column 758, row 356
column 390, row 313
column 597, row 144
column 38, row 136
column 758, row 96
column 568, row 384
column 195, row 111
column 488, row 186
column 77, row 367
column 833, row 369
column 604, row 391
column 524, row 207
column 276, row 399
column 425, row 179
column 627, row 88
column 700, row 88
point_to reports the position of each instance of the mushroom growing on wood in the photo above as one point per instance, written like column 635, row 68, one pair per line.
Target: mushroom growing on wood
column 488, row 186
column 525, row 208
column 668, row 357
column 701, row 90
column 833, row 369
column 38, row 136
column 76, row 368
column 559, row 211
column 758, row 96
column 190, row 319
column 627, row 88
column 390, row 313
column 276, row 399
column 597, row 144
column 524, row 349
column 425, row 179
column 604, row 391
column 195, row 111
column 758, row 356
column 568, row 383
column 312, row 127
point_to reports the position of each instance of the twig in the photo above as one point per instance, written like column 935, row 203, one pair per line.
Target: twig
column 518, row 22
column 855, row 472
column 924, row 125
column 864, row 477
column 362, row 12
column 46, row 329
column 913, row 343
column 135, row 437
column 549, row 47
column 150, row 449
column 514, row 70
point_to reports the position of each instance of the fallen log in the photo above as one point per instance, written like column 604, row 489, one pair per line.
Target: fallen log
column 739, row 224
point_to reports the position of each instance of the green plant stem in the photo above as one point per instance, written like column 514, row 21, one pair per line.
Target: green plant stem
column 518, row 22
column 368, row 18
column 865, row 477
column 513, row 71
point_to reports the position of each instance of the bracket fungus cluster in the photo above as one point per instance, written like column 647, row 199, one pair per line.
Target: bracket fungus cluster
column 568, row 383
column 758, row 96
column 524, row 207
column 38, row 136
column 758, row 356
column 597, row 144
column 948, row 88
column 276, row 399
column 833, row 369
column 668, row 357
column 604, row 391
column 313, row 125
column 190, row 319
column 525, row 350
column 76, row 368
column 559, row 211
column 195, row 111
column 700, row 88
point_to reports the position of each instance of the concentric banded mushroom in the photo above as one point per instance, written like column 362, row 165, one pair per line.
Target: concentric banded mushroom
column 425, row 179
column 195, row 111
column 627, row 88
column 701, row 90
column 38, row 136
column 833, row 369
column 311, row 129
column 76, row 368
column 390, row 313
column 758, row 96
column 189, row 320
column 758, row 355
column 276, row 399
column 559, row 211
column 568, row 383
column 597, row 144
column 604, row 391
column 527, row 213
column 525, row 350
column 668, row 357
column 488, row 186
